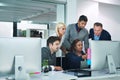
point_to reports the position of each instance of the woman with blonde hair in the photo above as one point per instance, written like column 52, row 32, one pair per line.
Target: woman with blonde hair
column 60, row 29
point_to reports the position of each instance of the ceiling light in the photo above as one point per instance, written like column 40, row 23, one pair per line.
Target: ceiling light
column 2, row 4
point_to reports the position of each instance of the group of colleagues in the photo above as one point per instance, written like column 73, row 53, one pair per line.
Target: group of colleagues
column 70, row 41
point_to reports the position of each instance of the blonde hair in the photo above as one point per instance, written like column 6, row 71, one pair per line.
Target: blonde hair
column 58, row 26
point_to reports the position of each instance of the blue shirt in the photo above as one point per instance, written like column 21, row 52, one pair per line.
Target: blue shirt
column 73, row 60
column 105, row 35
column 96, row 37
column 77, row 28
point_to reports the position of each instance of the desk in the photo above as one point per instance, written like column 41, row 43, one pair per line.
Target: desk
column 102, row 75
column 54, row 75
column 59, row 75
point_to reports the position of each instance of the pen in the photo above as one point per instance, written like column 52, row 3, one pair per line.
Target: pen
column 34, row 73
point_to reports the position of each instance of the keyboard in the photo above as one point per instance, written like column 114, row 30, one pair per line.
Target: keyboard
column 78, row 72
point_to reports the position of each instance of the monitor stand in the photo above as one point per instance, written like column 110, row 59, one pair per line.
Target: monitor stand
column 111, row 64
column 20, row 72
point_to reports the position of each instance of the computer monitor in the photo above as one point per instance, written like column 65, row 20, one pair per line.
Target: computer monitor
column 99, row 52
column 29, row 48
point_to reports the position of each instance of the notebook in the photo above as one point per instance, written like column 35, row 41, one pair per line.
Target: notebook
column 78, row 72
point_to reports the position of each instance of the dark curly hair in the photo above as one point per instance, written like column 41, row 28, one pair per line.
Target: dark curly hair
column 73, row 45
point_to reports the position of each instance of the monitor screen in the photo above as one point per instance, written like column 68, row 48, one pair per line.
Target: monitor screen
column 29, row 48
column 99, row 52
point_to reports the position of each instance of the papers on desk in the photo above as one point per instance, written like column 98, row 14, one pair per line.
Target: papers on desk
column 57, row 75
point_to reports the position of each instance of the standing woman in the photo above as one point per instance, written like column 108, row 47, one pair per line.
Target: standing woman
column 76, row 55
column 60, row 54
column 60, row 31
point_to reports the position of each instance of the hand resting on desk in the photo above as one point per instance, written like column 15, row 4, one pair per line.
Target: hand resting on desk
column 58, row 68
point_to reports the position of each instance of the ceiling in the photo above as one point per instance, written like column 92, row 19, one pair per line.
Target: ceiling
column 43, row 11
column 113, row 2
column 37, row 11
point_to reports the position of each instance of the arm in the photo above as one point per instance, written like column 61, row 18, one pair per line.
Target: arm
column 84, row 55
column 105, row 35
column 66, row 39
column 90, row 33
column 45, row 56
column 57, row 68
column 86, row 42
column 109, row 36
column 61, row 46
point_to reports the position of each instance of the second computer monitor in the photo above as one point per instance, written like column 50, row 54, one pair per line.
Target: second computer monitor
column 99, row 52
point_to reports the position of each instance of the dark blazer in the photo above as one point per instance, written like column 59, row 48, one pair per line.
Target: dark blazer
column 46, row 55
column 105, row 35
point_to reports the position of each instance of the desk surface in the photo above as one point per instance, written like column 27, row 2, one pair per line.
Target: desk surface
column 54, row 75
column 101, row 75
column 59, row 75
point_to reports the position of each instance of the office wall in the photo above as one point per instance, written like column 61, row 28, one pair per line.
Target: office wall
column 71, row 11
column 6, row 29
column 108, row 14
column 90, row 9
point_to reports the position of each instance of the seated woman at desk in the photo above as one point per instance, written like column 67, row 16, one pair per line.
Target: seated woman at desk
column 76, row 55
